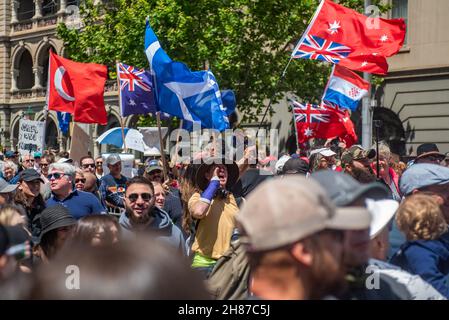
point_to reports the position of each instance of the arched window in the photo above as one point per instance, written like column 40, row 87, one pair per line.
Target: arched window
column 15, row 136
column 26, row 76
column 50, row 7
column 43, row 61
column 25, row 10
column 51, row 135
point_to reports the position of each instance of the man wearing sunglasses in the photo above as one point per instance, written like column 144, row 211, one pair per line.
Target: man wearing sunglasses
column 79, row 203
column 113, row 185
column 142, row 215
column 87, row 164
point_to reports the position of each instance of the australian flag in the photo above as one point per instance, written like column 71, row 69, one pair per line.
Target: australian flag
column 190, row 95
column 136, row 91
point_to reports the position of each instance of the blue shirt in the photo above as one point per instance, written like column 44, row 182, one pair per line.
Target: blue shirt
column 79, row 203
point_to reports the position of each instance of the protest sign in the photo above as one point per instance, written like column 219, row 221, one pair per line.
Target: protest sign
column 31, row 137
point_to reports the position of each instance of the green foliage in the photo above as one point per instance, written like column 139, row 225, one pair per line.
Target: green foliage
column 246, row 43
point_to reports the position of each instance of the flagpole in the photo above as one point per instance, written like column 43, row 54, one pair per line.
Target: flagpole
column 296, row 130
column 366, row 105
column 121, row 107
column 164, row 160
column 181, row 122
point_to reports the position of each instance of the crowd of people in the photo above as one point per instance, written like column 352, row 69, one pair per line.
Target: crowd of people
column 327, row 223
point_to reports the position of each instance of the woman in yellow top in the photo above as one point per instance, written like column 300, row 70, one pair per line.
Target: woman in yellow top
column 214, row 209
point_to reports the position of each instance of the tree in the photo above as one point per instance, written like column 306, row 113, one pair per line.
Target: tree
column 246, row 43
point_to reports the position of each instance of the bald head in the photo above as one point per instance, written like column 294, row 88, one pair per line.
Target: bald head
column 91, row 182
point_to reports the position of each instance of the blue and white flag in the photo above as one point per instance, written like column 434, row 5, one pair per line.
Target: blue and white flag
column 190, row 95
column 64, row 121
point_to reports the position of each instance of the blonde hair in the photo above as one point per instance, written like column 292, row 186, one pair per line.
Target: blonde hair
column 8, row 214
column 420, row 218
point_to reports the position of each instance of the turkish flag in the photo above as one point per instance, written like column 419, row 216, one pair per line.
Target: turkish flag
column 324, row 122
column 77, row 88
column 369, row 40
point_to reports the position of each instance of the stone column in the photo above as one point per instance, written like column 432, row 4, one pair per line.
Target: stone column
column 96, row 151
column 37, row 9
column 62, row 6
column 14, row 76
column 15, row 7
column 37, row 78
column 5, row 122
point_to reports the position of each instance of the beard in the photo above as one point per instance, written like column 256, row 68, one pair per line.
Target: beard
column 135, row 219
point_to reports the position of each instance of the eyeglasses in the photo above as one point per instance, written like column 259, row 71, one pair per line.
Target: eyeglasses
column 55, row 175
column 29, row 160
column 91, row 165
column 99, row 163
column 80, row 180
column 44, row 164
column 145, row 197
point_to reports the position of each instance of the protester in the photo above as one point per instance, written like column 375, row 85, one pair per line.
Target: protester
column 87, row 164
column 91, row 185
column 99, row 167
column 214, row 209
column 14, row 246
column 46, row 161
column 11, row 215
column 6, row 192
column 37, row 161
column 57, row 227
column 295, row 166
column 140, row 268
column 426, row 252
column 294, row 240
column 188, row 187
column 428, row 153
column 8, row 170
column 356, row 159
column 346, row 193
column 28, row 161
column 79, row 203
column 29, row 199
column 141, row 215
column 159, row 195
column 97, row 230
column 80, row 180
column 323, row 158
column 113, row 185
column 387, row 175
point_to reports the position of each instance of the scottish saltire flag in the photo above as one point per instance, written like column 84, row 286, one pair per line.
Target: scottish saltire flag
column 345, row 88
column 189, row 95
column 229, row 103
column 64, row 121
column 136, row 93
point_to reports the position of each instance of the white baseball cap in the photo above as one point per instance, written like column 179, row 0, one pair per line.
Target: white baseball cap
column 382, row 211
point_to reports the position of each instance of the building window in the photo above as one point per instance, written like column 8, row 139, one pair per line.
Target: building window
column 26, row 76
column 400, row 10
column 25, row 10
column 49, row 7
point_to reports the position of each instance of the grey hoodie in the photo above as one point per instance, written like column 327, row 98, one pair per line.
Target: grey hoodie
column 162, row 227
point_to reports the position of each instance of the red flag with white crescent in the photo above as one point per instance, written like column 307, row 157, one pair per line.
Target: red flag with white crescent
column 77, row 88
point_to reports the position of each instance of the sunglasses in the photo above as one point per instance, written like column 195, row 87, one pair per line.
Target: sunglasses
column 55, row 175
column 145, row 197
column 90, row 165
column 29, row 160
column 80, row 180
column 44, row 164
column 99, row 163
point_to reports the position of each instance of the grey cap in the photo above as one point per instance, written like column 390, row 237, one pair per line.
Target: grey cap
column 422, row 175
column 5, row 187
column 282, row 211
column 344, row 189
column 113, row 158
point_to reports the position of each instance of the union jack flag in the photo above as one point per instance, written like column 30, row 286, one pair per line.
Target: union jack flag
column 131, row 77
column 316, row 48
column 310, row 113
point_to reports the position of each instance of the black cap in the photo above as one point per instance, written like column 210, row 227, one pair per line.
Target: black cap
column 427, row 149
column 55, row 217
column 30, row 175
column 295, row 165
